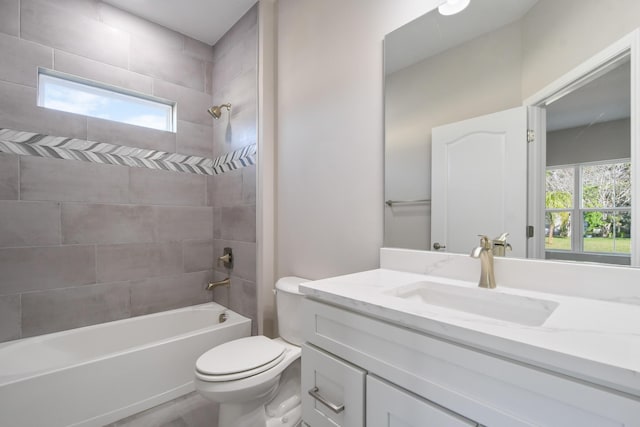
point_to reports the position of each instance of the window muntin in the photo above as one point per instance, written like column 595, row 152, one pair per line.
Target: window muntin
column 604, row 207
column 68, row 93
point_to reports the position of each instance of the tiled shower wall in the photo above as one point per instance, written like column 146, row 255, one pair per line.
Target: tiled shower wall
column 233, row 194
column 83, row 243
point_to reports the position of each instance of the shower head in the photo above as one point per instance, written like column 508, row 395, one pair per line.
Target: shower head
column 216, row 110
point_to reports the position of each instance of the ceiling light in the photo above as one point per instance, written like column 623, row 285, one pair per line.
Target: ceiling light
column 451, row 7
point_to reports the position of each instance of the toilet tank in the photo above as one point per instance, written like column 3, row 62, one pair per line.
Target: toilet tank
column 289, row 309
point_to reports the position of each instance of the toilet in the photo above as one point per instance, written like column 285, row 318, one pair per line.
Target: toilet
column 256, row 380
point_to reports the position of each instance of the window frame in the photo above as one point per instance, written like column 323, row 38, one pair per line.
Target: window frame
column 99, row 88
column 577, row 210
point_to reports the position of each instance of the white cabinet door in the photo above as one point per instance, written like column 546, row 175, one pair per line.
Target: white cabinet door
column 479, row 181
column 332, row 390
column 389, row 406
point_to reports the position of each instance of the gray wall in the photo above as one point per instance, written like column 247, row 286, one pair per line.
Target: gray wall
column 602, row 141
column 233, row 194
column 83, row 243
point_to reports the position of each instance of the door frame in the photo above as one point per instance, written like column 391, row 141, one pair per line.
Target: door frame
column 577, row 77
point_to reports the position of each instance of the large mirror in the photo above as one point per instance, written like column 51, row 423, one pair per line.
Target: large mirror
column 448, row 75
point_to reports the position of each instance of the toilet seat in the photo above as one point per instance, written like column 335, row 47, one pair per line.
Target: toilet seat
column 239, row 359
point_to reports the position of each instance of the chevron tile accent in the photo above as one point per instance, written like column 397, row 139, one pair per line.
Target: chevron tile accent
column 34, row 144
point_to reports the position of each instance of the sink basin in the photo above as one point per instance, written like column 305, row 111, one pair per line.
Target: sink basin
column 483, row 302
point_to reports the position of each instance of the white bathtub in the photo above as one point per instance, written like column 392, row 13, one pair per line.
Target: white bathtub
column 99, row 374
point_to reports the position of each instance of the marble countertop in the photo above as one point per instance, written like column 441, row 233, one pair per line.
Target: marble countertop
column 593, row 340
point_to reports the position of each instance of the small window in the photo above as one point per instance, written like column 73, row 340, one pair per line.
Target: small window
column 64, row 92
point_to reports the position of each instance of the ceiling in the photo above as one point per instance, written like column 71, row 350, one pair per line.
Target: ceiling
column 606, row 98
column 204, row 20
column 433, row 33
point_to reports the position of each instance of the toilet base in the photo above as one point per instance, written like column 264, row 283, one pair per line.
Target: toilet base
column 279, row 407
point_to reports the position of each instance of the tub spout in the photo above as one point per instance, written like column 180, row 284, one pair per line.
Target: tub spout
column 225, row 282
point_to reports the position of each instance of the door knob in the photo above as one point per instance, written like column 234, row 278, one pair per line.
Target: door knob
column 437, row 246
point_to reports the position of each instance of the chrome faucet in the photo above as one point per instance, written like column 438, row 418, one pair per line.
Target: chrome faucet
column 485, row 253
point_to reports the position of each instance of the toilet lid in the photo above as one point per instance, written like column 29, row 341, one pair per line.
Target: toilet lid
column 245, row 355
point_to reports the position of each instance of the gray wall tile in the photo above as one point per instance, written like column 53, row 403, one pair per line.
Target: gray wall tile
column 138, row 27
column 198, row 49
column 249, row 185
column 93, row 40
column 238, row 34
column 29, row 223
column 194, row 139
column 10, row 17
column 228, row 66
column 106, row 224
column 21, row 59
column 166, row 293
column 208, row 77
column 191, row 105
column 198, row 255
column 133, row 136
column 225, row 189
column 217, row 223
column 163, row 62
column 28, row 269
column 67, row 30
column 239, row 223
column 161, row 187
column 183, row 223
column 10, row 315
column 9, row 177
column 59, row 309
column 244, row 258
column 87, row 8
column 104, row 73
column 240, row 296
column 68, row 180
column 116, row 263
column 18, row 110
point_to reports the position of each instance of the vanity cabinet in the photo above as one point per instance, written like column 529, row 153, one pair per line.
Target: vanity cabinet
column 333, row 390
column 390, row 406
column 409, row 378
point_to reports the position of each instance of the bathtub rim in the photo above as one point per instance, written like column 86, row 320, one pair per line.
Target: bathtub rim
column 232, row 319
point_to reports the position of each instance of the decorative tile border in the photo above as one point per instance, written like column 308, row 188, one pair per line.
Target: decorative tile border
column 34, row 144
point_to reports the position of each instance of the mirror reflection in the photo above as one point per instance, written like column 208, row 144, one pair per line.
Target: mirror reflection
column 445, row 71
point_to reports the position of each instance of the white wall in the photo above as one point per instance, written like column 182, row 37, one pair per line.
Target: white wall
column 330, row 126
column 559, row 35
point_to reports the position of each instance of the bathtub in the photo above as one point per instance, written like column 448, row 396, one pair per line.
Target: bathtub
column 99, row 374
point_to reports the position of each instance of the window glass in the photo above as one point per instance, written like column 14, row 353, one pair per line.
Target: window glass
column 74, row 95
column 606, row 185
column 607, row 232
column 559, row 188
column 558, row 231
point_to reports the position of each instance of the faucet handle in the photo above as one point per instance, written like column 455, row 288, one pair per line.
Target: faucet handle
column 502, row 238
column 485, row 242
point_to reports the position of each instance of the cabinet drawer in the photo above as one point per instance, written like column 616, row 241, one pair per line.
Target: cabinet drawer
column 389, row 406
column 332, row 390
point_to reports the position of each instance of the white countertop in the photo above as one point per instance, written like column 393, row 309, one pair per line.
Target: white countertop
column 590, row 339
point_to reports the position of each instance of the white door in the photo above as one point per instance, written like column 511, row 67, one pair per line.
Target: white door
column 479, row 181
